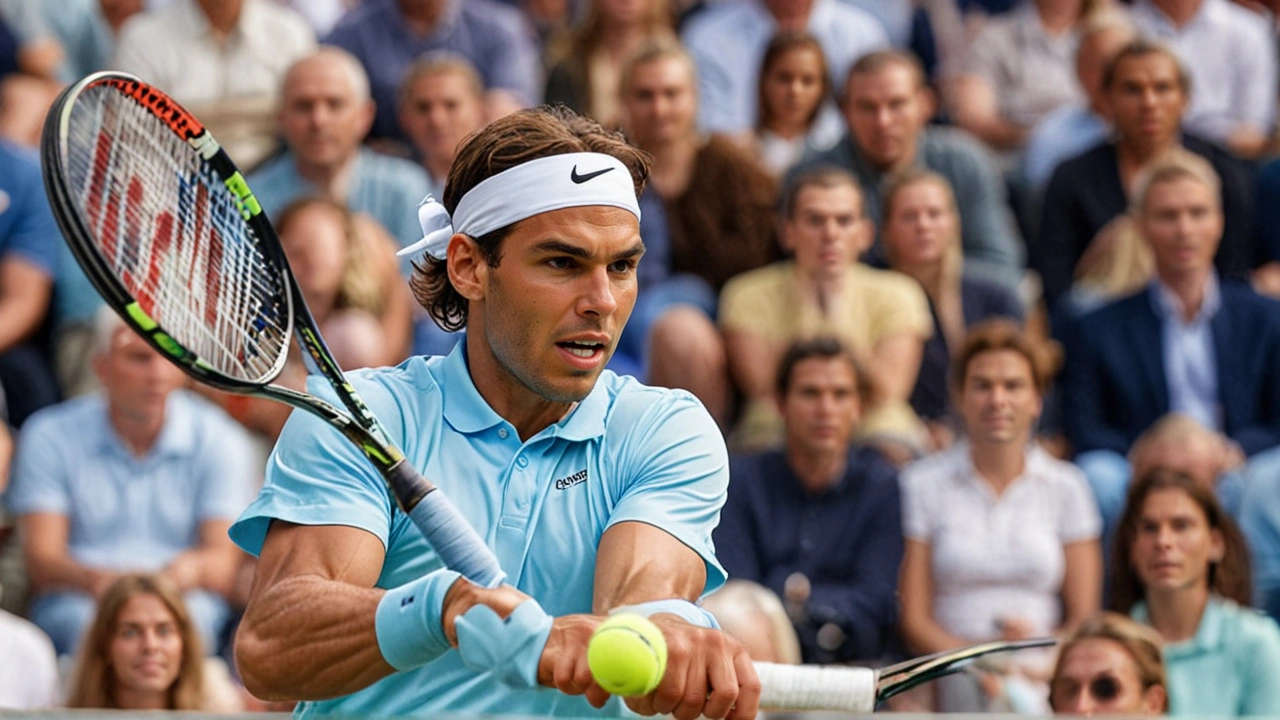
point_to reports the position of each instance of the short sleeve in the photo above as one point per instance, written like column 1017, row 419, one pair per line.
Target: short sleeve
column 675, row 476
column 1262, row 687
column 900, row 307
column 917, row 519
column 33, row 234
column 750, row 302
column 39, row 482
column 315, row 476
column 1079, row 519
column 232, row 471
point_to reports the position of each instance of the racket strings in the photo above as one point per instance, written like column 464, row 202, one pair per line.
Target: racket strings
column 173, row 235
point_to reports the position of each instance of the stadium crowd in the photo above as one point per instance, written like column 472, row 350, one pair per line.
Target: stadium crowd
column 984, row 295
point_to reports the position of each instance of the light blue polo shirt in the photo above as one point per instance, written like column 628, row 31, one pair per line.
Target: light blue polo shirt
column 627, row 452
column 1231, row 667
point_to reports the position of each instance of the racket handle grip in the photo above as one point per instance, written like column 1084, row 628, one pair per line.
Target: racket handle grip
column 450, row 535
column 817, row 687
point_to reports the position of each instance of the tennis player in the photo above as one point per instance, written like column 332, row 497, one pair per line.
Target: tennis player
column 594, row 491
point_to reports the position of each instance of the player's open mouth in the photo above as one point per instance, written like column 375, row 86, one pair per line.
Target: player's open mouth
column 581, row 349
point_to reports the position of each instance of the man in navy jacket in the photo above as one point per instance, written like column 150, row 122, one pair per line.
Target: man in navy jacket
column 819, row 522
column 1189, row 342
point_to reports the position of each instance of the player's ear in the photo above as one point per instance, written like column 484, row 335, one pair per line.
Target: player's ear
column 468, row 271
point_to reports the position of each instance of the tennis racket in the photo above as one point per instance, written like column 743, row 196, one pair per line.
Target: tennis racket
column 860, row 689
column 168, row 232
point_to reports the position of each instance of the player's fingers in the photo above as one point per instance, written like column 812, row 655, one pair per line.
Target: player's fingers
column 749, row 687
column 582, row 679
column 681, row 653
column 597, row 696
column 564, row 675
column 696, row 688
column 722, row 677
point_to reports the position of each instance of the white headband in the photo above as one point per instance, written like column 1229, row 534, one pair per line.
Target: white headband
column 528, row 189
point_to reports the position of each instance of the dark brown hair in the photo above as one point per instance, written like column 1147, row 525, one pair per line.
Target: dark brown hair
column 822, row 347
column 781, row 44
column 1142, row 47
column 1003, row 334
column 1228, row 578
column 822, row 176
column 875, row 62
column 501, row 145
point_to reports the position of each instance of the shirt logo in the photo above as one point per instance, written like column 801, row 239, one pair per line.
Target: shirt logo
column 579, row 179
column 577, row 478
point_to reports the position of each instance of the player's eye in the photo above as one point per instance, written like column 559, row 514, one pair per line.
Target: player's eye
column 622, row 266
column 561, row 263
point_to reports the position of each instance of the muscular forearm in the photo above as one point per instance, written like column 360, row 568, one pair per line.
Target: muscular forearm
column 328, row 650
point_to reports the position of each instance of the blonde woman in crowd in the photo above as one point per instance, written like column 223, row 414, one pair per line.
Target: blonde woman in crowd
column 1110, row 665
column 142, row 652
column 921, row 238
column 586, row 70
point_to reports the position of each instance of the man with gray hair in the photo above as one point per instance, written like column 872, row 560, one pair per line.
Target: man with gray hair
column 140, row 477
column 326, row 110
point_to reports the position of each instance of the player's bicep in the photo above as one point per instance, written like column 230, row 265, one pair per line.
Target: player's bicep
column 637, row 562
column 327, row 552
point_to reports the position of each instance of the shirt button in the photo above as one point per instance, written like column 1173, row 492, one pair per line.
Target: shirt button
column 502, row 433
column 522, row 461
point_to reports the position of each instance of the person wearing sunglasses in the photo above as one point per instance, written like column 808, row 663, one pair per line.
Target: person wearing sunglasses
column 1110, row 665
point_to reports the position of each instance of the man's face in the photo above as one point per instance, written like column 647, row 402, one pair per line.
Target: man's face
column 821, row 407
column 999, row 400
column 1182, row 222
column 322, row 118
column 1097, row 676
column 438, row 112
column 1146, row 101
column 660, row 102
column 136, row 378
column 553, row 308
column 826, row 230
column 886, row 111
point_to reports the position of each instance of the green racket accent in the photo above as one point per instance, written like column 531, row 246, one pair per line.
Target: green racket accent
column 169, row 344
column 143, row 320
column 244, row 196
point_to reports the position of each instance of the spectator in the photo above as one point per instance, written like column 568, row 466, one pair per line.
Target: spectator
column 754, row 614
column 1146, row 89
column 819, row 521
column 1235, row 92
column 708, row 215
column 727, row 42
column 586, row 71
column 223, row 60
column 794, row 88
column 1002, row 539
column 28, row 666
column 882, row 317
column 1019, row 71
column 388, row 35
column 1182, row 567
column 1110, row 665
column 1259, row 518
column 921, row 238
column 325, row 111
column 887, row 107
column 441, row 102
column 347, row 270
column 138, row 477
column 64, row 41
column 143, row 652
column 1188, row 342
column 28, row 254
column 1078, row 126
column 24, row 103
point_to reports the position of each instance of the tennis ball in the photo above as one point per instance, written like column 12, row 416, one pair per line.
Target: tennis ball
column 627, row 655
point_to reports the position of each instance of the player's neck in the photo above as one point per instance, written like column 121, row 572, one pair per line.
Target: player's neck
column 1176, row 613
column 514, row 402
column 331, row 180
column 139, row 434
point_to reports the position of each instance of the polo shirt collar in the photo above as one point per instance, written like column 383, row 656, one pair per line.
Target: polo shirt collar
column 466, row 410
column 1034, row 464
column 1209, row 634
column 177, row 437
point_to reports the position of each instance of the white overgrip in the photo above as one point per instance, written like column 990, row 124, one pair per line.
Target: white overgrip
column 817, row 687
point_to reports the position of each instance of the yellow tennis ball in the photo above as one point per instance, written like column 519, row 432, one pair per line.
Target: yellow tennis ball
column 627, row 655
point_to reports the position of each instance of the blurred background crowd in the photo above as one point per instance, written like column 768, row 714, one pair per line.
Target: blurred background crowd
column 983, row 294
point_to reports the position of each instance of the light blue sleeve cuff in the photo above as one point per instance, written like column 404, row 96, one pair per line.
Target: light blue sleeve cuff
column 409, row 621
column 684, row 609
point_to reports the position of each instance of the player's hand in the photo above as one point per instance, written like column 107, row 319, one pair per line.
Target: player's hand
column 564, row 659
column 464, row 595
column 708, row 673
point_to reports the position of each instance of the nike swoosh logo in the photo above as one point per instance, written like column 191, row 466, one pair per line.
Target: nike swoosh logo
column 579, row 179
